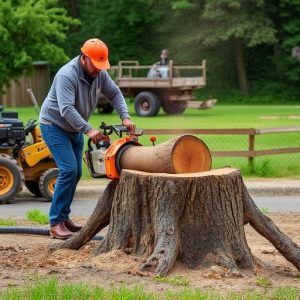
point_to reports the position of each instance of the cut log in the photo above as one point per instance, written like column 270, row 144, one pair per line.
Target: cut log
column 183, row 154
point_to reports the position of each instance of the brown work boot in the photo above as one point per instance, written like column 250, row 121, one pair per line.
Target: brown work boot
column 59, row 231
column 72, row 226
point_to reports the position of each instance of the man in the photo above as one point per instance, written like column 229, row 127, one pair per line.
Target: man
column 164, row 57
column 70, row 102
column 161, row 68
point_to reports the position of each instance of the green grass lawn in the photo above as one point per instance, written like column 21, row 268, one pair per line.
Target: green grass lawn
column 223, row 116
column 49, row 289
column 220, row 116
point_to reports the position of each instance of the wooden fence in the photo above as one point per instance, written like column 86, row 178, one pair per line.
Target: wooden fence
column 251, row 132
column 16, row 94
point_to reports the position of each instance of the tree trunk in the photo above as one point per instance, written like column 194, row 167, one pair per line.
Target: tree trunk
column 264, row 226
column 183, row 154
column 241, row 67
column 73, row 8
column 98, row 220
column 197, row 218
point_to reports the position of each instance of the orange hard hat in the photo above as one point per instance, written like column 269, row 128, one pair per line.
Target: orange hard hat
column 97, row 52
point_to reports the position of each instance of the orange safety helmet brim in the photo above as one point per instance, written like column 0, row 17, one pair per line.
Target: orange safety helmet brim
column 97, row 52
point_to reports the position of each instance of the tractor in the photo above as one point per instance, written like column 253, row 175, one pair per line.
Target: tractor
column 24, row 159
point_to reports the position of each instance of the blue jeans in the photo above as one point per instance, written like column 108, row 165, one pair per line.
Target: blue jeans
column 66, row 149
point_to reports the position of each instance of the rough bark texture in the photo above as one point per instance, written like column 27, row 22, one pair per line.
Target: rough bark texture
column 241, row 66
column 98, row 220
column 183, row 154
column 197, row 218
column 264, row 226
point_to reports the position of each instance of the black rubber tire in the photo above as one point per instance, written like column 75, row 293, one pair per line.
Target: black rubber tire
column 33, row 187
column 47, row 183
column 146, row 104
column 11, row 178
column 105, row 108
column 174, row 107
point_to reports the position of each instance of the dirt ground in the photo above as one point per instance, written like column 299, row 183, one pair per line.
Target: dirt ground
column 22, row 256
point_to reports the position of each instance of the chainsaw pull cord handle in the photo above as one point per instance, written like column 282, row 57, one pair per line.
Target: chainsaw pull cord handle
column 90, row 145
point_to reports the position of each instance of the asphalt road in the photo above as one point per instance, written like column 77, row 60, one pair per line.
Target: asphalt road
column 85, row 207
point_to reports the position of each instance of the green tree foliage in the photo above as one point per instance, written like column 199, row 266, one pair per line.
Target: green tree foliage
column 129, row 28
column 286, row 61
column 254, row 39
column 272, row 69
column 232, row 25
column 245, row 20
column 244, row 41
column 29, row 31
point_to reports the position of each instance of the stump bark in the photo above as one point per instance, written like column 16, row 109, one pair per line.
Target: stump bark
column 197, row 218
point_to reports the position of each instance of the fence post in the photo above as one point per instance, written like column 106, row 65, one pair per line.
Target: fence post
column 251, row 148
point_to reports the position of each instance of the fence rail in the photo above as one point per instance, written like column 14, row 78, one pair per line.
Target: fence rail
column 251, row 132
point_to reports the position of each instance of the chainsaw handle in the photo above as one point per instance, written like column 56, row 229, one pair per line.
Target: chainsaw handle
column 118, row 129
column 90, row 147
column 109, row 129
column 102, row 143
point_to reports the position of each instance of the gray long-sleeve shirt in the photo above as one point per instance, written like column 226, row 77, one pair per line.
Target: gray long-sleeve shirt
column 71, row 99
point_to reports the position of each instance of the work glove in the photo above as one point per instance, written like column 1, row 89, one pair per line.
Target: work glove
column 96, row 136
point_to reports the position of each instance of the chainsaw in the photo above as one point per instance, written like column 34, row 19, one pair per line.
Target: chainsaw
column 103, row 158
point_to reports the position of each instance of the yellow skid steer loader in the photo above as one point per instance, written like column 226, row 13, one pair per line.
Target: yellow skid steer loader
column 24, row 159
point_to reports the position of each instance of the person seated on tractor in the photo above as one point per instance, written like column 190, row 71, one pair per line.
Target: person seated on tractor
column 161, row 68
column 72, row 99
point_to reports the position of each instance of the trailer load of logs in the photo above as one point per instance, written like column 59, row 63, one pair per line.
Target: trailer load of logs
column 177, row 208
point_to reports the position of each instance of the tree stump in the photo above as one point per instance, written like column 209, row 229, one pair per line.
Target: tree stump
column 197, row 218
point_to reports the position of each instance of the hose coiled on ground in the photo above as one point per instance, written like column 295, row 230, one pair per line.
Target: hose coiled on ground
column 34, row 231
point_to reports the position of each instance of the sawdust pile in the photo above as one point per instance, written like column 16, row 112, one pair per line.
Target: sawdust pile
column 21, row 255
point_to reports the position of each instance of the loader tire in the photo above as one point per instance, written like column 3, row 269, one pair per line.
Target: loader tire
column 33, row 187
column 47, row 183
column 174, row 107
column 146, row 104
column 11, row 178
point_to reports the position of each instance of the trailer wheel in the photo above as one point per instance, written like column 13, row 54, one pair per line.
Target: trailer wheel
column 174, row 107
column 146, row 104
column 105, row 108
column 47, row 183
column 11, row 178
column 33, row 187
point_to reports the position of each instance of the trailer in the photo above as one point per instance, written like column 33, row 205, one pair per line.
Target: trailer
column 152, row 87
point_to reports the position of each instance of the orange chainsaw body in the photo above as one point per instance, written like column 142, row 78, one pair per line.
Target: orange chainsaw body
column 111, row 155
